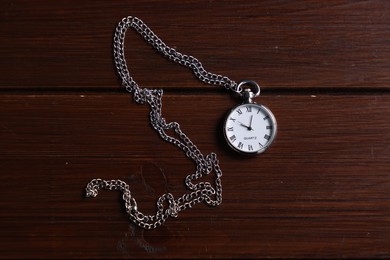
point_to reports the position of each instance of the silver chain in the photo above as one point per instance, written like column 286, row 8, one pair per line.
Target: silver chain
column 170, row 53
column 167, row 205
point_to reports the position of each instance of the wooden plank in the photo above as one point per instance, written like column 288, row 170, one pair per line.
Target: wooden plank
column 108, row 124
column 322, row 190
column 280, row 44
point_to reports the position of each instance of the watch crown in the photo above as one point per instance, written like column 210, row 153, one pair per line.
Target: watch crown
column 248, row 95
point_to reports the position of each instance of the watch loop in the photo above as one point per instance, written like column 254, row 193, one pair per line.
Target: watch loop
column 249, row 84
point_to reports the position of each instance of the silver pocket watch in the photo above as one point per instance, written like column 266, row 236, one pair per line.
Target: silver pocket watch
column 250, row 128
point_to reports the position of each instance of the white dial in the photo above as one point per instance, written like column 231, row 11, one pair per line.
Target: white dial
column 250, row 128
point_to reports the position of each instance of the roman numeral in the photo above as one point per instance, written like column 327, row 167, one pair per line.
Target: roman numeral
column 268, row 127
column 232, row 138
column 261, row 145
column 230, row 129
column 265, row 118
column 239, row 111
column 248, row 109
column 267, row 137
column 250, row 148
column 240, row 145
column 233, row 119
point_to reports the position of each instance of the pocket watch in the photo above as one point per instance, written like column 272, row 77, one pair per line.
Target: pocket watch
column 250, row 128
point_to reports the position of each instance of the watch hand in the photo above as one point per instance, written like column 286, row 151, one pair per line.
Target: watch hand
column 250, row 123
column 248, row 127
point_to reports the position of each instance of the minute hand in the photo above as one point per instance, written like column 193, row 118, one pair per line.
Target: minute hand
column 250, row 123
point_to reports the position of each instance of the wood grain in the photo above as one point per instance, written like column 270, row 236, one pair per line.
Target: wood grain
column 289, row 44
column 321, row 191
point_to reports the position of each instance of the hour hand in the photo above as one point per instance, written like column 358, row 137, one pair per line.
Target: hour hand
column 246, row 126
column 243, row 124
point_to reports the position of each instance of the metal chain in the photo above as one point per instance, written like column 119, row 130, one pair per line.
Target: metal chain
column 170, row 53
column 167, row 205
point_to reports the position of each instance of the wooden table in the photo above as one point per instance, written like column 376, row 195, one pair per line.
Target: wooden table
column 322, row 190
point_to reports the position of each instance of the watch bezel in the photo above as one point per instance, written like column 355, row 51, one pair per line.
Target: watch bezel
column 268, row 144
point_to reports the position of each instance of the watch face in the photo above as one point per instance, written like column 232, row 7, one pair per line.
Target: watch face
column 250, row 128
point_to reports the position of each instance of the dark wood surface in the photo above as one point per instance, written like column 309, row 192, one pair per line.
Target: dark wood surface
column 322, row 190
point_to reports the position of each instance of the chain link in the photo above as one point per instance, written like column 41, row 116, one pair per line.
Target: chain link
column 167, row 205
